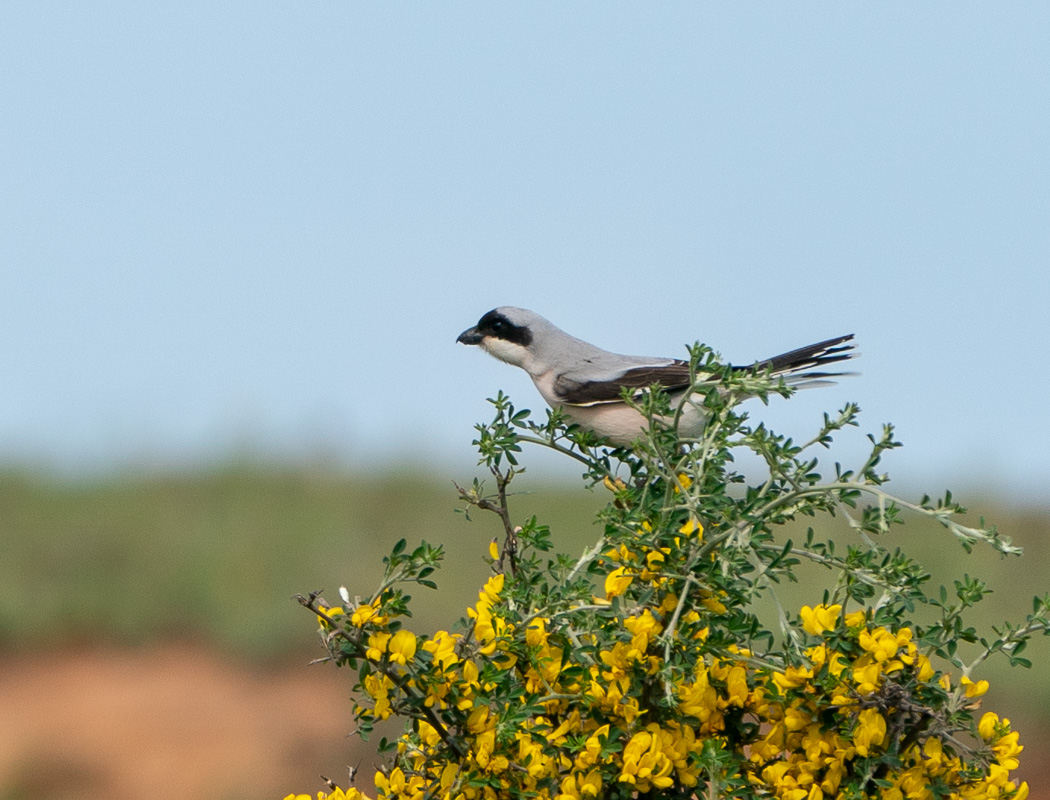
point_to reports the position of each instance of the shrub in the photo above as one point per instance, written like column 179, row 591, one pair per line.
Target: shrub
column 644, row 666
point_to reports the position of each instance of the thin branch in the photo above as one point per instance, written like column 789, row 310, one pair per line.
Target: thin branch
column 500, row 509
column 553, row 445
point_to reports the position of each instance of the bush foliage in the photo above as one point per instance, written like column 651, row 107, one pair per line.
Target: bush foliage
column 643, row 666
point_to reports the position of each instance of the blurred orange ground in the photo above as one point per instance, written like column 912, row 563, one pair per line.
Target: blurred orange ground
column 182, row 721
column 176, row 720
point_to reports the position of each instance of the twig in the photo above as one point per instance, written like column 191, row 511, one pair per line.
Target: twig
column 502, row 510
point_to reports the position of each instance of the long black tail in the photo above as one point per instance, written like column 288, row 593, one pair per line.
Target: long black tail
column 795, row 366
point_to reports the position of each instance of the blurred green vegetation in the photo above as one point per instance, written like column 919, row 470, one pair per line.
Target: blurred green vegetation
column 216, row 555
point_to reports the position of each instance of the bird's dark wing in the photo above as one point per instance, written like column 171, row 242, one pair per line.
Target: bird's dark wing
column 576, row 392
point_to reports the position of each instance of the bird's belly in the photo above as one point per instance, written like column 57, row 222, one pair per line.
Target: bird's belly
column 618, row 423
column 621, row 425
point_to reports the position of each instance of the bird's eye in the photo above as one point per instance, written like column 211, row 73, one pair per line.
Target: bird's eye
column 497, row 326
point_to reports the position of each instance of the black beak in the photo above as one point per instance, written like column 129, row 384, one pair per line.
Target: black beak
column 470, row 336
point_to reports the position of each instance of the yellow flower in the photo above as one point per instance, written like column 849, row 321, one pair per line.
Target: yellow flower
column 987, row 725
column 378, row 686
column 616, row 582
column 493, row 586
column 569, row 725
column 698, row 699
column 620, row 554
column 487, row 628
column 377, row 643
column 428, row 734
column 494, row 550
column 856, row 618
column 974, row 689
column 1007, row 749
column 867, row 675
column 449, row 775
column 691, row 526
column 915, row 784
column 736, row 687
column 643, row 628
column 926, row 670
column 823, row 655
column 820, row 619
column 338, row 794
column 833, row 776
column 364, row 614
column 870, row 732
column 933, row 751
column 668, row 603
column 714, row 605
column 329, row 613
column 591, row 783
column 883, row 644
column 478, row 721
column 644, row 762
column 592, row 748
column 654, row 560
column 536, row 632
column 392, row 784
column 344, row 794
column 402, row 647
column 797, row 719
column 792, row 677
column 569, row 790
column 443, row 647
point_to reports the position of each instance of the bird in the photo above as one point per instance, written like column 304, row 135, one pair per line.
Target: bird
column 587, row 383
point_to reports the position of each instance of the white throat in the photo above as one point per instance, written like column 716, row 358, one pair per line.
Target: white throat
column 509, row 352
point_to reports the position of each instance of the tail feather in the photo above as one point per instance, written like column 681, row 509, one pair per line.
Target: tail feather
column 794, row 366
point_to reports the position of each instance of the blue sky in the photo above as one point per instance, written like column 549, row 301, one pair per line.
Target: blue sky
column 229, row 225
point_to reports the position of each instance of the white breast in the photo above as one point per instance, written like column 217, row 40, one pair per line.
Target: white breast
column 617, row 422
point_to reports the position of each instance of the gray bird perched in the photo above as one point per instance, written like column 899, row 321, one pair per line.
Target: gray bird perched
column 587, row 382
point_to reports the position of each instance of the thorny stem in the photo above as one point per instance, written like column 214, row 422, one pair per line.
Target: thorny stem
column 510, row 546
column 500, row 509
column 862, row 575
column 941, row 515
column 1019, row 635
column 672, row 627
column 553, row 445
column 588, row 556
